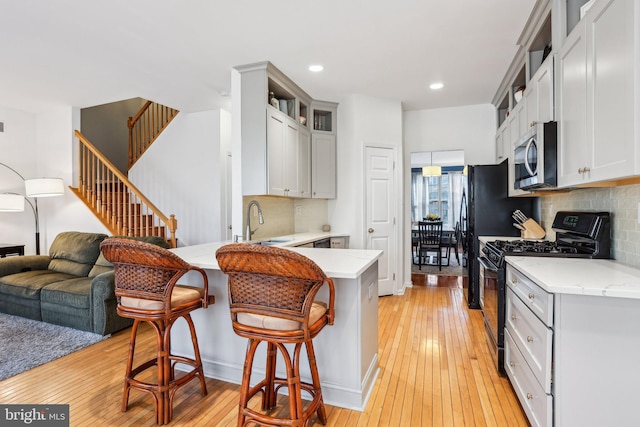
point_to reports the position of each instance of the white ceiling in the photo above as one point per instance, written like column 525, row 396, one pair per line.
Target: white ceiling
column 181, row 52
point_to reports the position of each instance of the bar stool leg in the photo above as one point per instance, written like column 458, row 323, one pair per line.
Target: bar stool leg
column 313, row 367
column 293, row 383
column 127, row 374
column 252, row 345
column 196, row 352
column 270, row 396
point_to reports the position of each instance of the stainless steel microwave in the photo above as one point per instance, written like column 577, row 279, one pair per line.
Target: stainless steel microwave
column 535, row 158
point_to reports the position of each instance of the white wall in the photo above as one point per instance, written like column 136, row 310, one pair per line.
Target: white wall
column 106, row 126
column 41, row 145
column 364, row 121
column 470, row 128
column 181, row 173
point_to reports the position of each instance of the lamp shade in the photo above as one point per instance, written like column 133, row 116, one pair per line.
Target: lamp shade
column 11, row 203
column 431, row 170
column 44, row 187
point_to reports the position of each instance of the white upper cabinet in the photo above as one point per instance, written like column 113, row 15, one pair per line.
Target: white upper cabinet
column 539, row 95
column 275, row 132
column 598, row 96
column 323, row 166
column 289, row 156
column 323, row 149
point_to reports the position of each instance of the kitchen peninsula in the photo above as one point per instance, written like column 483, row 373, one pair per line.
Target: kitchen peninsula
column 346, row 352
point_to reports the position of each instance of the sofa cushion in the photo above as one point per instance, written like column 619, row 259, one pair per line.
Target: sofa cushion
column 28, row 284
column 74, row 252
column 102, row 265
column 72, row 292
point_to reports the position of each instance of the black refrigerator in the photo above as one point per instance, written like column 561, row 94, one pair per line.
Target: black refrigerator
column 489, row 210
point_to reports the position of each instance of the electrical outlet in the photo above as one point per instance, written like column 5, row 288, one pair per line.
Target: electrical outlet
column 370, row 290
column 298, row 210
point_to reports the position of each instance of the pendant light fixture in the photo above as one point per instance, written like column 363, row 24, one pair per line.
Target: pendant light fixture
column 431, row 170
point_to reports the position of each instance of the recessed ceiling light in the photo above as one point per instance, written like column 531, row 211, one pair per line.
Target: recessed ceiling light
column 436, row 86
column 316, row 68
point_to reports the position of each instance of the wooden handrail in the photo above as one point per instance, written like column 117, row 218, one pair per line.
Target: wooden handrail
column 119, row 205
column 145, row 127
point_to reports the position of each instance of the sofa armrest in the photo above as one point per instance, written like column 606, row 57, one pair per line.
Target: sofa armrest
column 17, row 264
column 103, row 286
column 103, row 305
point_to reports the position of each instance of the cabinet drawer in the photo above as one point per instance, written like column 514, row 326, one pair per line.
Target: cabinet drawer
column 534, row 339
column 537, row 404
column 536, row 298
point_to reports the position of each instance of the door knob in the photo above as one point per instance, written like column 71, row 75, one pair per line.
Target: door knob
column 370, row 230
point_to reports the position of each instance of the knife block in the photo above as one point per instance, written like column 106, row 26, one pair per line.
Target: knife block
column 532, row 230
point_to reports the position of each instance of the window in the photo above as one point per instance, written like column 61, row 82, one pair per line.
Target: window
column 440, row 195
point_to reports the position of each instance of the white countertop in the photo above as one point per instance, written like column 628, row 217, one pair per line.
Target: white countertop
column 336, row 263
column 298, row 239
column 578, row 276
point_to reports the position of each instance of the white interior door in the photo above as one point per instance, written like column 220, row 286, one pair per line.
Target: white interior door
column 381, row 213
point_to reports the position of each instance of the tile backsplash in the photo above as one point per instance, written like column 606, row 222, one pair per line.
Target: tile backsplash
column 283, row 215
column 622, row 202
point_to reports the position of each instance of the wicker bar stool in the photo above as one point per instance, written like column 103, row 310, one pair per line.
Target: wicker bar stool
column 145, row 278
column 271, row 297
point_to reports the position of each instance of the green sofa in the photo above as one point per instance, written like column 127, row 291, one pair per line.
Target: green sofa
column 73, row 286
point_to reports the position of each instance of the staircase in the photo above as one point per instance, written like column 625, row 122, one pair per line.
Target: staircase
column 145, row 127
column 108, row 193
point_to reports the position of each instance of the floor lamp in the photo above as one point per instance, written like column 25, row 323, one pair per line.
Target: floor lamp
column 38, row 187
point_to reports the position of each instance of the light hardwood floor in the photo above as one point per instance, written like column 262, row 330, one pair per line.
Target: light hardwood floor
column 435, row 370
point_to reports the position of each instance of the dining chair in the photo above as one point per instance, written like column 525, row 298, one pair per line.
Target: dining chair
column 429, row 240
column 451, row 240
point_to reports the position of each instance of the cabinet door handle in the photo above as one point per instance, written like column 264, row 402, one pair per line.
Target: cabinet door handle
column 529, row 338
column 514, row 281
column 531, row 296
column 584, row 170
column 529, row 396
column 513, row 317
column 370, row 230
column 512, row 364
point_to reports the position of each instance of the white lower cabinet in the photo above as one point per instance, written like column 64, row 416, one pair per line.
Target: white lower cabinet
column 341, row 242
column 537, row 405
column 529, row 346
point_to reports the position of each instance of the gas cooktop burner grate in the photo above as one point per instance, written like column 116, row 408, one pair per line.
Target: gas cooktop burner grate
column 533, row 247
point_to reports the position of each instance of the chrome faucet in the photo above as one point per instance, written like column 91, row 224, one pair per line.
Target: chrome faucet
column 249, row 231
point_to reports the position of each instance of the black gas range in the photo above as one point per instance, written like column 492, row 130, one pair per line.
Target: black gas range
column 578, row 235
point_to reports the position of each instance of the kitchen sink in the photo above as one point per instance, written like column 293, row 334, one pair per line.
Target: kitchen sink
column 272, row 242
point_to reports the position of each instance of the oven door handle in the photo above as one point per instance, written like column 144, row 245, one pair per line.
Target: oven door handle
column 487, row 264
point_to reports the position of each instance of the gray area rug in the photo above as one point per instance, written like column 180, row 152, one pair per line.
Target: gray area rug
column 453, row 269
column 26, row 343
